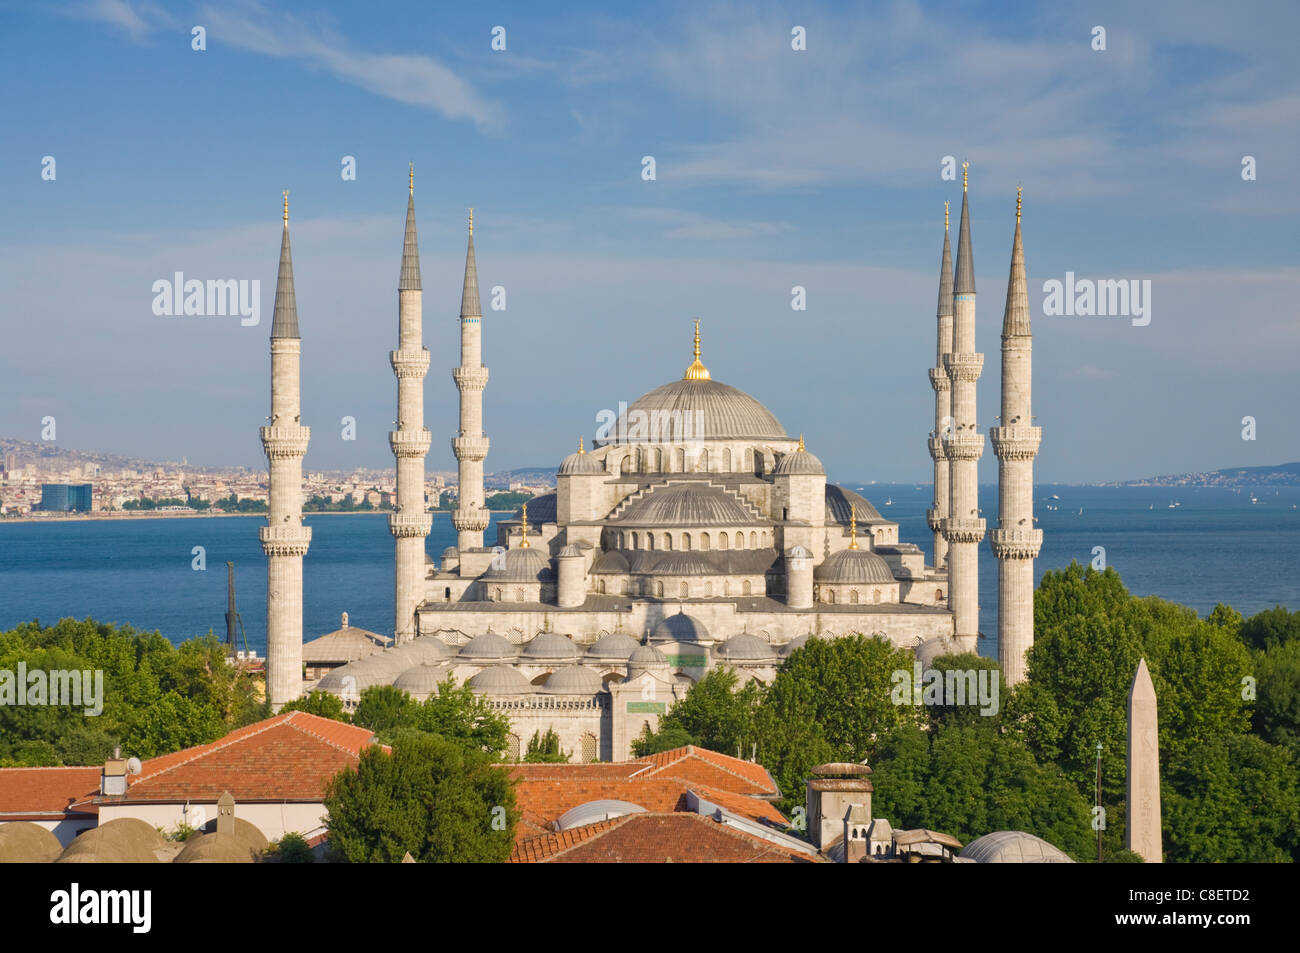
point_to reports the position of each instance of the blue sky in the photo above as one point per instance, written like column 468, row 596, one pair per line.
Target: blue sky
column 775, row 168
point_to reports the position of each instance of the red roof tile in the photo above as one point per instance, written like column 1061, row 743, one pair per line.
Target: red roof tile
column 711, row 768
column 656, row 838
column 31, row 792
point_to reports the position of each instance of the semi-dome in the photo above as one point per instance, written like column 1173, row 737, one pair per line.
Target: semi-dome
column 422, row 681
column 679, row 563
column 580, row 462
column 680, row 628
column 489, row 645
column 646, row 656
column 521, row 564
column 612, row 561
column 799, row 463
column 573, row 680
column 500, row 680
column 840, row 505
column 794, row 644
column 672, row 412
column 1013, row 847
column 551, row 647
column 689, row 504
column 615, row 647
column 745, row 648
column 541, row 509
column 854, row 566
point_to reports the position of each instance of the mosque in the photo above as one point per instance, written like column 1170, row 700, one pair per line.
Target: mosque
column 695, row 533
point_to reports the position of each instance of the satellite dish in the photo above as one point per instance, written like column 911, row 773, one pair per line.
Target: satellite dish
column 133, row 766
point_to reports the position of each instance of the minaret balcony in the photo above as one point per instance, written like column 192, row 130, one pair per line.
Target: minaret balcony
column 473, row 521
column 284, row 540
column 963, row 530
column 1017, row 442
column 410, row 524
column 939, row 379
column 470, row 378
column 281, row 442
column 470, row 448
column 1016, row 543
column 934, row 519
column 409, row 362
column 937, row 452
column 966, row 445
column 963, row 368
column 410, row 443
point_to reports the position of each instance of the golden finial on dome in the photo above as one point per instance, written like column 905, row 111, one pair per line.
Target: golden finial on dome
column 801, row 450
column 286, row 206
column 412, row 178
column 1018, row 189
column 524, row 543
column 853, row 526
column 964, row 173
column 945, row 216
column 697, row 371
column 471, row 220
column 581, row 448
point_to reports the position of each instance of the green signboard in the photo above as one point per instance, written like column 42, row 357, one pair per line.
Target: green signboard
column 645, row 707
column 687, row 661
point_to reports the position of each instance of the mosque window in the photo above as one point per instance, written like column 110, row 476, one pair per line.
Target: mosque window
column 938, row 595
column 853, row 596
column 704, row 541
column 686, row 540
column 650, row 540
column 626, row 466
column 447, row 594
column 875, row 595
column 704, row 459
column 659, row 461
column 726, row 460
column 659, row 589
column 636, row 541
column 622, row 587
column 681, row 460
column 496, row 594
column 519, row 595
column 620, row 541
column 600, row 587
column 830, row 597
column 668, row 540
column 512, row 747
column 746, row 588
column 587, row 745
column 726, row 587
column 740, row 540
column 749, row 458
column 685, row 590
column 722, row 541
column 708, row 589
column 753, row 541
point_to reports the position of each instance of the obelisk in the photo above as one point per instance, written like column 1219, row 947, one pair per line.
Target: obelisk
column 1143, row 828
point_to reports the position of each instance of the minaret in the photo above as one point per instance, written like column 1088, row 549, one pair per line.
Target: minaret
column 410, row 521
column 962, row 528
column 1016, row 542
column 284, row 538
column 471, row 447
column 942, row 404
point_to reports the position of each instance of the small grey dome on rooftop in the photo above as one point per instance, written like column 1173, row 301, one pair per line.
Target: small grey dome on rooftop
column 550, row 646
column 646, row 656
column 500, row 680
column 421, row 681
column 567, row 551
column 745, row 648
column 854, row 566
column 615, row 647
column 573, row 680
column 521, row 564
column 1013, row 847
column 680, row 628
column 489, row 645
column 580, row 462
column 799, row 463
column 451, row 552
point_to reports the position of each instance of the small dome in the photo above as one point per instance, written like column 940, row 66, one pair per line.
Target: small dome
column 798, row 552
column 581, row 462
column 593, row 811
column 799, row 463
column 550, row 646
column 521, row 564
column 451, row 552
column 841, row 504
column 1013, row 847
column 646, row 656
column 745, row 648
column 22, row 842
column 541, row 509
column 615, row 647
column 422, row 681
column 573, row 680
column 488, row 646
column 426, row 647
column 854, row 566
column 796, row 643
column 500, row 680
column 569, row 551
column 612, row 561
column 125, row 840
column 680, row 628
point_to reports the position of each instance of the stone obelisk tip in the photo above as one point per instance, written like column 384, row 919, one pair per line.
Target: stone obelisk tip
column 1143, row 835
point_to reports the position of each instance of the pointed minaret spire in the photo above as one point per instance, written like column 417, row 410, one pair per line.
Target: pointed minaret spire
column 410, row 521
column 284, row 539
column 964, row 280
column 471, row 446
column 284, row 324
column 942, row 403
column 1015, row 541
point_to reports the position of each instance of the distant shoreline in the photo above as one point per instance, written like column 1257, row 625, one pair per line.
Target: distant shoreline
column 154, row 515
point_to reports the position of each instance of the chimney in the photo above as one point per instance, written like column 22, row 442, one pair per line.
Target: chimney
column 345, row 620
column 112, row 782
column 226, row 815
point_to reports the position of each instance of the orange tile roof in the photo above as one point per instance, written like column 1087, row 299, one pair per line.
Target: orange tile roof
column 711, row 768
column 655, row 838
column 289, row 757
column 27, row 793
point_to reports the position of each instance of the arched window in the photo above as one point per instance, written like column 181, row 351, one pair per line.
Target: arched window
column 636, row 541
column 685, row 590
column 753, row 540
column 726, row 587
column 853, row 596
column 704, row 541
column 680, row 454
column 686, row 540
column 587, row 745
column 650, row 540
column 708, row 589
column 626, row 465
column 659, row 589
column 447, row 594
column 704, row 459
column 722, row 540
column 875, row 595
column 659, row 461
column 746, row 588
column 740, row 540
column 621, row 541
column 519, row 595
column 600, row 587
column 512, row 747
column 726, row 460
column 938, row 595
column 622, row 587
column 668, row 540
column 749, row 459
column 830, row 597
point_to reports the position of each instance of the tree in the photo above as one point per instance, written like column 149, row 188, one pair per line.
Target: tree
column 1277, row 708
column 290, row 849
column 666, row 739
column 442, row 801
column 1271, row 627
column 460, row 714
column 385, row 710
column 715, row 714
column 324, row 704
column 545, row 749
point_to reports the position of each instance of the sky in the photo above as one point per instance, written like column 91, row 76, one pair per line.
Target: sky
column 820, row 167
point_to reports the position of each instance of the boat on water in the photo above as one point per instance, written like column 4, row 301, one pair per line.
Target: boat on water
column 1055, row 497
column 889, row 501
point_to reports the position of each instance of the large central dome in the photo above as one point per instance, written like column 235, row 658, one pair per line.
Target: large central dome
column 696, row 408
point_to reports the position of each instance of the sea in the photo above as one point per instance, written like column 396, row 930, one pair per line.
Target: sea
column 1193, row 545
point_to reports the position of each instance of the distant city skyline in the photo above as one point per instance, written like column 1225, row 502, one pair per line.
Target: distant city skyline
column 775, row 168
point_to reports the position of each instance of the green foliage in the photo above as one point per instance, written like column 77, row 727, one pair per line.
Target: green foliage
column 182, row 833
column 290, row 849
column 233, row 504
column 324, row 704
column 715, row 714
column 666, row 739
column 1277, row 708
column 438, row 799
column 1274, row 626
column 385, row 710
column 545, row 749
column 157, row 697
column 458, row 713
